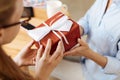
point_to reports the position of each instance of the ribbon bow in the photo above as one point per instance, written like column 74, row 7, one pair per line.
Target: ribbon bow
column 62, row 24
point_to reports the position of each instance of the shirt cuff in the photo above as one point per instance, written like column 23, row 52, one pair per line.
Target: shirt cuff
column 112, row 66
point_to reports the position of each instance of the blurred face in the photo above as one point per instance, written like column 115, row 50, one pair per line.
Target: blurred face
column 8, row 34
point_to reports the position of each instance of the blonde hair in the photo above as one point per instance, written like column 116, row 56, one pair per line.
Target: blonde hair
column 6, row 10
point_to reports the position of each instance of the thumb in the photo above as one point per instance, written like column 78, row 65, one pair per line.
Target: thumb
column 81, row 42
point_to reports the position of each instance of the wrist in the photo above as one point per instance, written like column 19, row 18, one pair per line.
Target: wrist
column 99, row 59
column 40, row 77
column 87, row 53
column 90, row 54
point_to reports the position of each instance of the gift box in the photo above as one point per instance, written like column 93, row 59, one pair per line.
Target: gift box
column 56, row 28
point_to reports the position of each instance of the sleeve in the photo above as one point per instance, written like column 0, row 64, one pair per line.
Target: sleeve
column 84, row 21
column 113, row 64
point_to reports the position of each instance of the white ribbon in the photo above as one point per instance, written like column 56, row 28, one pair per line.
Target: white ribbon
column 62, row 24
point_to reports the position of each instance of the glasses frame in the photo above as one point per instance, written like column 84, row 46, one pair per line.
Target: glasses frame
column 17, row 23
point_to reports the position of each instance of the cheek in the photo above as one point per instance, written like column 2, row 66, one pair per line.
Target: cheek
column 15, row 31
column 11, row 34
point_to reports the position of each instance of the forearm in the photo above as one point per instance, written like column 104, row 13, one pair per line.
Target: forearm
column 41, row 75
column 99, row 59
column 38, row 77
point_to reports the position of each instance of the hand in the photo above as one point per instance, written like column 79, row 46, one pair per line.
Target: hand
column 45, row 63
column 26, row 56
column 81, row 50
column 84, row 50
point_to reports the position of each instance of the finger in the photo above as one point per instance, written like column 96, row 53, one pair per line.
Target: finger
column 59, row 51
column 47, row 49
column 67, row 53
column 59, row 58
column 77, row 45
column 39, row 53
column 71, row 52
column 81, row 42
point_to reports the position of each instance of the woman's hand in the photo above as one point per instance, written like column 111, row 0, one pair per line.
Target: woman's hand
column 84, row 50
column 26, row 56
column 45, row 63
column 81, row 50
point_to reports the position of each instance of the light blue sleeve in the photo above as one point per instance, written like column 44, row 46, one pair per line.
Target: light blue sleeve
column 84, row 21
column 113, row 64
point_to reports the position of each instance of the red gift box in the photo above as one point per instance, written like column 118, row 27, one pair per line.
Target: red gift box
column 71, row 35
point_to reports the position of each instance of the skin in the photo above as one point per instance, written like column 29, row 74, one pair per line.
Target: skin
column 84, row 50
column 46, row 63
column 43, row 61
column 12, row 31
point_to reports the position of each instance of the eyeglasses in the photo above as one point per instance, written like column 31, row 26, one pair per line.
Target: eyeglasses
column 24, row 22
